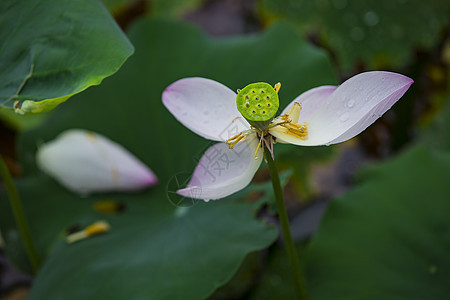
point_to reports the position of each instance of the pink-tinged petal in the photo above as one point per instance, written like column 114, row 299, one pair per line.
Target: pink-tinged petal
column 222, row 171
column 205, row 106
column 351, row 108
column 311, row 101
column 86, row 162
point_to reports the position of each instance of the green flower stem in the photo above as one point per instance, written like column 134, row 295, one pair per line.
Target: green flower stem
column 282, row 214
column 19, row 215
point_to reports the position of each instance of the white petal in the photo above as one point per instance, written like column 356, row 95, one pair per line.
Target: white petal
column 311, row 100
column 86, row 162
column 205, row 106
column 222, row 171
column 351, row 108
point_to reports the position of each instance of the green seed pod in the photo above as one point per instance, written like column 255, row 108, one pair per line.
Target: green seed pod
column 258, row 103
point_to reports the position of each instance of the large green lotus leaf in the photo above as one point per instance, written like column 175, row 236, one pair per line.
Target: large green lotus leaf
column 53, row 49
column 389, row 237
column 277, row 281
column 378, row 33
column 155, row 250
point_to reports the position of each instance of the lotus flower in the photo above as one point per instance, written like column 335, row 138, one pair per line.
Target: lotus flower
column 86, row 162
column 244, row 122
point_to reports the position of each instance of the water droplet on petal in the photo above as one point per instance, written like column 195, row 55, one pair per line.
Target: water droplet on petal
column 344, row 117
column 351, row 103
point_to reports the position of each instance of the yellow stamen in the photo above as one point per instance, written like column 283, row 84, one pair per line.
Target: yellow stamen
column 94, row 229
column 277, row 87
column 278, row 124
column 302, row 127
column 240, row 137
column 300, row 134
column 233, row 137
column 259, row 145
column 237, row 140
column 97, row 228
column 234, row 140
column 257, row 149
column 301, row 131
column 289, row 122
column 108, row 206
